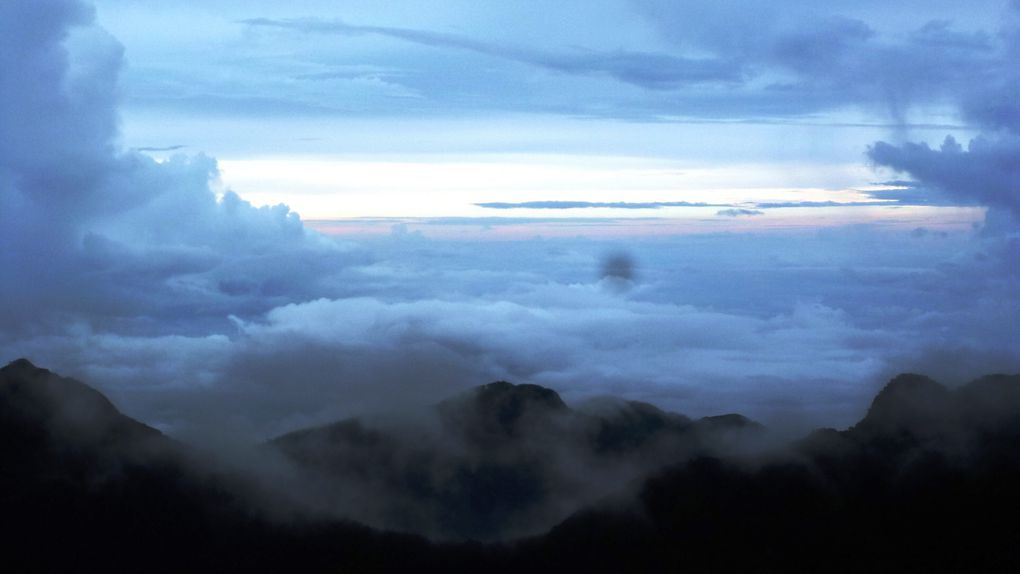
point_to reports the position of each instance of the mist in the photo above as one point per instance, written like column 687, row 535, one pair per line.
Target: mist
column 398, row 371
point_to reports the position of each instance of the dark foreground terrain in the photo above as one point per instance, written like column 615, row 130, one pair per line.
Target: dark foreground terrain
column 928, row 480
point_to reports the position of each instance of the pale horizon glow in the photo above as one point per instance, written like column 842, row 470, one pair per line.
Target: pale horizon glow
column 666, row 222
column 340, row 188
column 811, row 198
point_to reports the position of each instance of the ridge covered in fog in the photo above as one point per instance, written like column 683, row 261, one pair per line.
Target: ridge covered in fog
column 266, row 392
column 499, row 460
column 927, row 465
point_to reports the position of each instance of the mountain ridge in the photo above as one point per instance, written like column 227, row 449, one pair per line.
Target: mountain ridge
column 917, row 484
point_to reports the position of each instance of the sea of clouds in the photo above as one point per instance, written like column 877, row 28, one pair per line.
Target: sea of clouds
column 195, row 310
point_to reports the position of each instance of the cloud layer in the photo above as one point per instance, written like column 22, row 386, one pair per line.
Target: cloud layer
column 195, row 309
column 95, row 230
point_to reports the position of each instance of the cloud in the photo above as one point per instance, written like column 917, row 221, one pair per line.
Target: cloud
column 553, row 204
column 787, row 204
column 836, row 58
column 195, row 309
column 734, row 208
column 987, row 172
column 739, row 212
column 655, row 71
column 704, row 328
column 158, row 148
column 637, row 59
column 106, row 233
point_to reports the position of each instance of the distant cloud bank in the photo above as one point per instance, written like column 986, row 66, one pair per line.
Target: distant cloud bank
column 186, row 300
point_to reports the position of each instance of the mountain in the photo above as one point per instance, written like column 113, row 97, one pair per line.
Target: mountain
column 496, row 462
column 925, row 481
column 84, row 487
column 41, row 413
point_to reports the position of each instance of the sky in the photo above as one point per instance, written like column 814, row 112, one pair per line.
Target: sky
column 356, row 109
column 254, row 216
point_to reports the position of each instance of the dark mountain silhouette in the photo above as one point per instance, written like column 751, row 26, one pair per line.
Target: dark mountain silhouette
column 85, row 488
column 623, row 427
column 499, row 461
column 926, row 481
column 499, row 412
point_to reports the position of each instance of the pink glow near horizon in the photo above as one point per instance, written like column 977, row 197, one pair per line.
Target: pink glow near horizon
column 502, row 228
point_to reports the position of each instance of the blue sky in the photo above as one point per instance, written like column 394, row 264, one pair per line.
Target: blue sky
column 811, row 200
column 312, row 104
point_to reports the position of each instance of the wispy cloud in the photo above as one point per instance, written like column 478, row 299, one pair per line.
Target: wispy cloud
column 163, row 148
column 734, row 212
column 646, row 69
column 189, row 304
column 593, row 204
column 732, row 207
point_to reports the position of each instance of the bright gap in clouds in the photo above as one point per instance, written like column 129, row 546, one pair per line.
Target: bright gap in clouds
column 438, row 187
column 162, row 284
column 666, row 222
column 589, row 196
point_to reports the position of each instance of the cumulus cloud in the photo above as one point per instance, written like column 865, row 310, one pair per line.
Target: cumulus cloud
column 91, row 228
column 195, row 309
column 987, row 170
column 707, row 329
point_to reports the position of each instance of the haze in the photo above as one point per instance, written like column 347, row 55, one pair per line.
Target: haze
column 258, row 216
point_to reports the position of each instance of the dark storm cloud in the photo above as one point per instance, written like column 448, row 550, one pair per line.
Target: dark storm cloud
column 654, row 71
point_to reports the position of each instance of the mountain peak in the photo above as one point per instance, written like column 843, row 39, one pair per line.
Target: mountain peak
column 33, row 396
column 729, row 421
column 497, row 409
column 909, row 403
column 503, row 391
column 908, row 391
column 21, row 364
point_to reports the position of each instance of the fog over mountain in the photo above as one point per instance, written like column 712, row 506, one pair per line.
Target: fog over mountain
column 924, row 480
column 498, row 461
column 627, row 376
column 196, row 309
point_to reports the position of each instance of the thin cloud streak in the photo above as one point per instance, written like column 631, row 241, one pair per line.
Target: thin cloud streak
column 649, row 70
column 662, row 204
column 594, row 204
column 199, row 310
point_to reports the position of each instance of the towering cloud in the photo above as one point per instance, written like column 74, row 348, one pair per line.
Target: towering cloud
column 88, row 227
column 987, row 170
column 194, row 307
